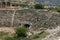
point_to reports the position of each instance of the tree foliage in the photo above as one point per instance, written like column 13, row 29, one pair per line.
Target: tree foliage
column 39, row 6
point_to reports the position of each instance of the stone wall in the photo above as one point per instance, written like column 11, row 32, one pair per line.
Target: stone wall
column 36, row 19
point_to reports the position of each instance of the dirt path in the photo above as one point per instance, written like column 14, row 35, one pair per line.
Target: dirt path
column 7, row 29
column 13, row 15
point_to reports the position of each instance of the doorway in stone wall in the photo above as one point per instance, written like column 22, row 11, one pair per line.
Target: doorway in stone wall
column 3, row 4
column 27, row 25
column 8, row 4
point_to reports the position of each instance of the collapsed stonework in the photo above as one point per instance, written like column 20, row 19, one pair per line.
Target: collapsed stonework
column 32, row 18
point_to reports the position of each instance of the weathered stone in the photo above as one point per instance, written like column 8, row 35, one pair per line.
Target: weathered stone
column 29, row 16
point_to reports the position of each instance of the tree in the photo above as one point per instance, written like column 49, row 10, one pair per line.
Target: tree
column 39, row 6
column 21, row 32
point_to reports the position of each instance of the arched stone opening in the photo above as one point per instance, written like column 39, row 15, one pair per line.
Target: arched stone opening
column 8, row 3
column 14, row 5
column 27, row 25
column 3, row 4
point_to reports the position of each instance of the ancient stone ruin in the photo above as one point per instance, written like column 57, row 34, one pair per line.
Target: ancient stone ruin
column 14, row 3
column 31, row 18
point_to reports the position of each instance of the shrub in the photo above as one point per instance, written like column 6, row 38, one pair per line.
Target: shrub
column 39, row 6
column 24, row 5
column 51, row 8
column 21, row 32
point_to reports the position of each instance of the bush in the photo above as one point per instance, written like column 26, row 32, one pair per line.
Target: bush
column 21, row 32
column 51, row 8
column 24, row 5
column 39, row 6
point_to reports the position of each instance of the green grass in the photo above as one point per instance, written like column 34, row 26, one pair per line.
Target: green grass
column 6, row 36
column 2, row 34
column 41, row 36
